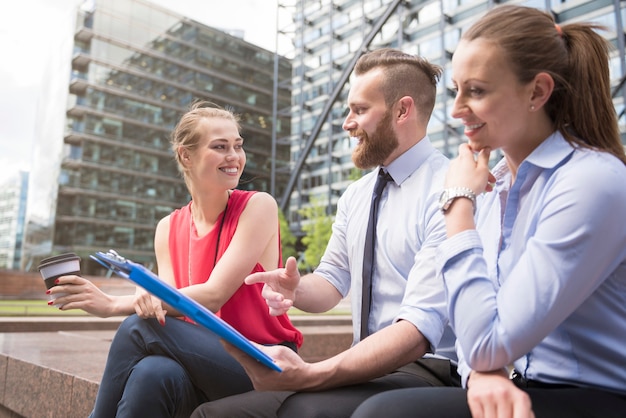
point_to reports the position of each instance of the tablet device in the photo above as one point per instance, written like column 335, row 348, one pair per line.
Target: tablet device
column 183, row 304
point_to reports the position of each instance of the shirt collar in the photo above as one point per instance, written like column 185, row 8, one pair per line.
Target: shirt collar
column 550, row 153
column 402, row 167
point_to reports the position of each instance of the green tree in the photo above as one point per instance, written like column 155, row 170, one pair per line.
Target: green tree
column 287, row 238
column 355, row 174
column 317, row 227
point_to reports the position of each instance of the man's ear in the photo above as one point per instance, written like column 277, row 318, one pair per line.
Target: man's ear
column 404, row 107
column 542, row 88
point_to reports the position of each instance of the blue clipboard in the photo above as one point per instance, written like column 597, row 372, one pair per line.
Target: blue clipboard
column 184, row 304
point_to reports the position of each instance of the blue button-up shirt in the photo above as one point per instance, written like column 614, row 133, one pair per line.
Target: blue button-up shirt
column 409, row 229
column 543, row 281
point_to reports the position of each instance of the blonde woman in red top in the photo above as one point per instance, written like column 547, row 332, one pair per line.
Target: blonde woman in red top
column 161, row 365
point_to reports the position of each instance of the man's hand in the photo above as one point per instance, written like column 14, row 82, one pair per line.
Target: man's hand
column 294, row 370
column 279, row 289
column 493, row 395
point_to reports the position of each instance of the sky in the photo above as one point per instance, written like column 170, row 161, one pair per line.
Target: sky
column 32, row 30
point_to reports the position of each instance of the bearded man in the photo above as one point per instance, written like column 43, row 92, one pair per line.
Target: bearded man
column 401, row 338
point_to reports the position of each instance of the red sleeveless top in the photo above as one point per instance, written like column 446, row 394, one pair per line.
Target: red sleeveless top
column 246, row 310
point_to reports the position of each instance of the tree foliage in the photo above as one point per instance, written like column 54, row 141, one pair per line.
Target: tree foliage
column 287, row 238
column 355, row 174
column 317, row 227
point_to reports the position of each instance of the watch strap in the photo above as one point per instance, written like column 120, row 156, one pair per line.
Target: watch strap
column 454, row 193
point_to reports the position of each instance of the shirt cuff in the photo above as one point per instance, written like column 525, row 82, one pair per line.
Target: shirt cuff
column 455, row 246
column 428, row 324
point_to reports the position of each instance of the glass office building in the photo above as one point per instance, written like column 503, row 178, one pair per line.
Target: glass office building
column 136, row 68
column 330, row 34
column 13, row 194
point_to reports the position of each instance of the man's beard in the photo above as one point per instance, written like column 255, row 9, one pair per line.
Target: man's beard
column 374, row 149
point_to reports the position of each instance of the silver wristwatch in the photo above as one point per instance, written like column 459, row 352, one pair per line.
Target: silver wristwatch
column 449, row 195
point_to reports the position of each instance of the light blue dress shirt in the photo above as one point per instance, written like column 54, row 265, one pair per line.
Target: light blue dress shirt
column 543, row 282
column 409, row 230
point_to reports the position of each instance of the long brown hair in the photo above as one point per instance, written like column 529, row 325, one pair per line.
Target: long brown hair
column 576, row 57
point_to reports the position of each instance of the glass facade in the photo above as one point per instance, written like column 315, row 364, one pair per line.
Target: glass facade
column 329, row 34
column 136, row 68
column 13, row 195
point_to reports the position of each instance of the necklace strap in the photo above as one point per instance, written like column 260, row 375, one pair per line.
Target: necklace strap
column 219, row 232
column 219, row 236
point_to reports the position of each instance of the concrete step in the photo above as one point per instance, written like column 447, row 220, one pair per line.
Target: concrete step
column 66, row 356
column 324, row 335
column 58, row 323
column 84, row 322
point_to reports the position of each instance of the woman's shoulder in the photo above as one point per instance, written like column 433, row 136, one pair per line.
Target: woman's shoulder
column 163, row 227
column 254, row 201
column 165, row 221
column 176, row 215
column 251, row 195
column 603, row 167
column 594, row 176
column 263, row 200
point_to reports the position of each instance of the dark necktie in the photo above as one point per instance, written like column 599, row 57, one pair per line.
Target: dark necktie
column 368, row 256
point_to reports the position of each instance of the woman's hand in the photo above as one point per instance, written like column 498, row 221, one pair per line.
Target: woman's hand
column 493, row 395
column 148, row 306
column 466, row 170
column 75, row 292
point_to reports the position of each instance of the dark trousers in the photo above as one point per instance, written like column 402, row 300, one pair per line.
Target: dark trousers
column 452, row 402
column 165, row 371
column 336, row 403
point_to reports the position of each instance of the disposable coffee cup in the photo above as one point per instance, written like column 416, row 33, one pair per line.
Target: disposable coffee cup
column 52, row 268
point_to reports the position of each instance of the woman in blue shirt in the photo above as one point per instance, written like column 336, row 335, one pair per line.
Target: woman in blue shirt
column 536, row 278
